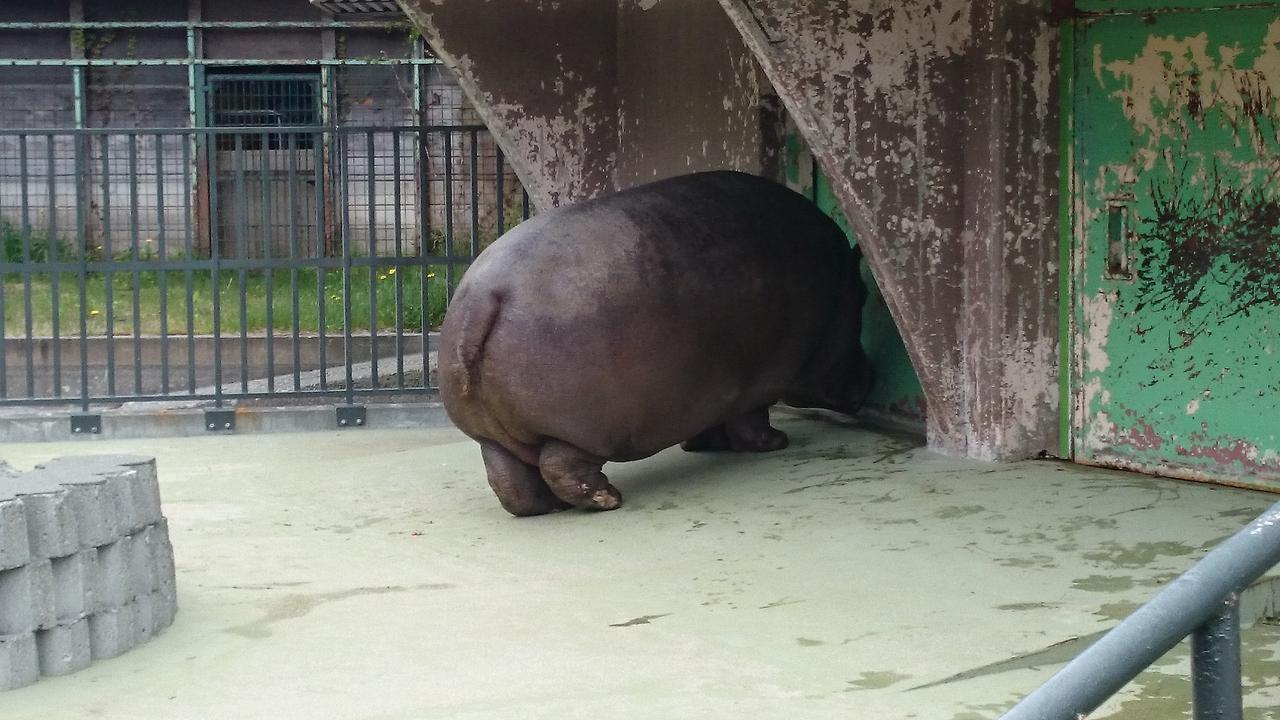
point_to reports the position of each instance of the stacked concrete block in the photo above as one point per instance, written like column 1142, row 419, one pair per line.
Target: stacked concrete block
column 86, row 565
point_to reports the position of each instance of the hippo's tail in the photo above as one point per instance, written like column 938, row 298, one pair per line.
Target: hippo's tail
column 477, row 323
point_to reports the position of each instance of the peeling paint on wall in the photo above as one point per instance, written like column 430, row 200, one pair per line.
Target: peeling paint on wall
column 1178, row 157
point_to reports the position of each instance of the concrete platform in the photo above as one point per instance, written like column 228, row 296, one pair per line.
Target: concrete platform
column 371, row 574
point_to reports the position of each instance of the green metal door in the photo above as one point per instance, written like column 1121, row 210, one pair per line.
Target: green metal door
column 1176, row 257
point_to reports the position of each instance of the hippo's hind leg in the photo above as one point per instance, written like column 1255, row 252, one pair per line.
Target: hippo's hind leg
column 574, row 476
column 519, row 487
column 749, row 432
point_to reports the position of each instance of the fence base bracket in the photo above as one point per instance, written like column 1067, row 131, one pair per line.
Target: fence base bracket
column 86, row 424
column 350, row 416
column 219, row 419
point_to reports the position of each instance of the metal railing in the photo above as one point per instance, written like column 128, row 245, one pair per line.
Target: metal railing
column 237, row 264
column 1203, row 603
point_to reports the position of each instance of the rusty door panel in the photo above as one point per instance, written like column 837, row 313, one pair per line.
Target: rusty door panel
column 1176, row 277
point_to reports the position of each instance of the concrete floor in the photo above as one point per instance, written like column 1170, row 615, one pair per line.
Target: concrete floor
column 371, row 574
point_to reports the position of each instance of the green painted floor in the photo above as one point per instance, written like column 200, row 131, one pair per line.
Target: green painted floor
column 371, row 574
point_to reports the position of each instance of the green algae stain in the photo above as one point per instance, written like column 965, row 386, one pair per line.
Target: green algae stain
column 1138, row 556
column 876, row 680
column 958, row 511
column 1103, row 583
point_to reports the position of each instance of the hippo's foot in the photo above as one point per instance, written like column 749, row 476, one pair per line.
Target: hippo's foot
column 519, row 487
column 574, row 476
column 750, row 432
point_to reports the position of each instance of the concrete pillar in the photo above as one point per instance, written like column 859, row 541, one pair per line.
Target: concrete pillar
column 936, row 122
column 590, row 97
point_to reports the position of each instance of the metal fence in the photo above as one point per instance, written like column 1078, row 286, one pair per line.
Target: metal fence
column 251, row 264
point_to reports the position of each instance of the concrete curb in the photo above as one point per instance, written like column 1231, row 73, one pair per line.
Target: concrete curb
column 189, row 421
column 86, row 565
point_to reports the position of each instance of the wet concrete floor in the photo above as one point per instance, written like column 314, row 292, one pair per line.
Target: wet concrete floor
column 371, row 574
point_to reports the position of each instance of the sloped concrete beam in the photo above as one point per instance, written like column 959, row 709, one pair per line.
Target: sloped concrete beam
column 590, row 97
column 541, row 75
column 936, row 123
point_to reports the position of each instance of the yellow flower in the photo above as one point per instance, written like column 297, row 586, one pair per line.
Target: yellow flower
column 94, row 312
column 431, row 275
column 392, row 271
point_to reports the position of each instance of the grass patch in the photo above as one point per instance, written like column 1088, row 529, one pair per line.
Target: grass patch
column 266, row 295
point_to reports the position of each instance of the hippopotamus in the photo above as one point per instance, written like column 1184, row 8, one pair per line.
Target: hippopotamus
column 673, row 312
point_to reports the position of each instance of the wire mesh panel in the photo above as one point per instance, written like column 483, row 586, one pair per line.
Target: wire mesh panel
column 251, row 169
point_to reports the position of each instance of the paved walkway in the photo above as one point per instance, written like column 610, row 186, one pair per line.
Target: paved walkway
column 370, row 574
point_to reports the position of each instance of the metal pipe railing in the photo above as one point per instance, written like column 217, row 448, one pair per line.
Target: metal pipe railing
column 1203, row 603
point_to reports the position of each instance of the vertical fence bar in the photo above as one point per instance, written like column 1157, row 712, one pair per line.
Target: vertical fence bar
column 524, row 204
column 217, row 231
column 323, row 173
column 267, row 233
column 398, row 277
column 422, row 154
column 108, row 276
column 475, row 193
column 82, row 244
column 4, row 363
column 1215, row 665
column 291, row 194
column 448, row 213
column 344, row 226
column 55, row 254
column 135, row 254
column 163, row 279
column 502, row 195
column 372, row 210
column 25, row 228
column 188, row 249
column 242, row 252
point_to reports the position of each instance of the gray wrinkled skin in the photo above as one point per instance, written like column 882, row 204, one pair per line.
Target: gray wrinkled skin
column 675, row 312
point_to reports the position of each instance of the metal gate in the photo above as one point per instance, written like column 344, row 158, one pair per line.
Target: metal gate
column 266, row 263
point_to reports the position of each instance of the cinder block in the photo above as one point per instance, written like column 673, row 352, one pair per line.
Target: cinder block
column 143, row 618
column 74, row 585
column 64, row 649
column 15, row 547
column 95, row 521
column 40, row 573
column 111, row 632
column 17, row 615
column 51, row 521
column 164, row 606
column 115, row 577
column 142, row 567
column 19, row 661
column 146, row 490
column 131, row 481
column 162, row 552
